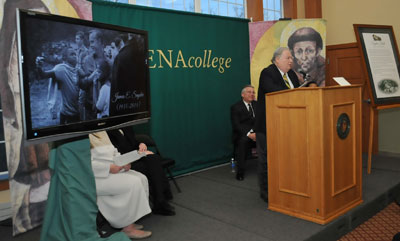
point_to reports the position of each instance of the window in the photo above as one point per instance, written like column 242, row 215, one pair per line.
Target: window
column 272, row 9
column 231, row 8
column 183, row 5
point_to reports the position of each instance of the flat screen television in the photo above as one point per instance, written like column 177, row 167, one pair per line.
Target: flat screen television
column 79, row 76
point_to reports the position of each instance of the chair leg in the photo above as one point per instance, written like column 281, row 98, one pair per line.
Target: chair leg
column 173, row 179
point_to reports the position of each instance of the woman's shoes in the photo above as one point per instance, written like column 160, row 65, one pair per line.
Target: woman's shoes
column 138, row 226
column 138, row 234
column 133, row 232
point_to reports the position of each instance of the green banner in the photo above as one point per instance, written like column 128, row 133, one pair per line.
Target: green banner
column 198, row 66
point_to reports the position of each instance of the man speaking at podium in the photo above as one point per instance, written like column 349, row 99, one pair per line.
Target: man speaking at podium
column 277, row 76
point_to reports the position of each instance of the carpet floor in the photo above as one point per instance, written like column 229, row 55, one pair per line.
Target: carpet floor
column 382, row 226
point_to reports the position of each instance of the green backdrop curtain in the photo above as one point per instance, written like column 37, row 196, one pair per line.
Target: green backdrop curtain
column 190, row 102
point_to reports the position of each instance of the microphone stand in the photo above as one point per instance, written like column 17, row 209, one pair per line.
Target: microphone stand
column 306, row 81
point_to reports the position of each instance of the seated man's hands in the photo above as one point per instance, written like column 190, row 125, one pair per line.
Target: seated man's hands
column 142, row 147
column 252, row 136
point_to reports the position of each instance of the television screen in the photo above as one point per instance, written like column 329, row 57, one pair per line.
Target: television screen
column 80, row 76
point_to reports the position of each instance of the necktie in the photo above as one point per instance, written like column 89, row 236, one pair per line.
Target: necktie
column 251, row 110
column 286, row 80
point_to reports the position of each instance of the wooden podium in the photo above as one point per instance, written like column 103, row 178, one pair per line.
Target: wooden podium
column 314, row 151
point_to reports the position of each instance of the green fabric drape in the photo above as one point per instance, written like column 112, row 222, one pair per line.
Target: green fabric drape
column 190, row 106
column 71, row 205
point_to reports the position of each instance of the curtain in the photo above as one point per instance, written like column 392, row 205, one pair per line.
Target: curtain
column 198, row 65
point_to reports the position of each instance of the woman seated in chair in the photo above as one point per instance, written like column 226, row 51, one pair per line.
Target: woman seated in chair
column 122, row 194
column 150, row 165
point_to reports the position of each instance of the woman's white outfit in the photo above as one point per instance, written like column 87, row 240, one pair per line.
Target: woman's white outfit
column 123, row 197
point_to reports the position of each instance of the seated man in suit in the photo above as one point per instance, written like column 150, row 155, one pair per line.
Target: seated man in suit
column 150, row 165
column 243, row 118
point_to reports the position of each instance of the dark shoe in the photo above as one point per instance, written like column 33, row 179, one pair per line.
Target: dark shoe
column 169, row 206
column 165, row 209
column 396, row 237
column 397, row 201
column 239, row 176
column 168, row 195
column 264, row 196
column 164, row 212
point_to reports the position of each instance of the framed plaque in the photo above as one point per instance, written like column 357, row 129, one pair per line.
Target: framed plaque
column 380, row 55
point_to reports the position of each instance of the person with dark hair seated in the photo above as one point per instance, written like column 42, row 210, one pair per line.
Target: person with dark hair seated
column 150, row 165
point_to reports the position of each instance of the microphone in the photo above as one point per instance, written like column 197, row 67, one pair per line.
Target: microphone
column 305, row 75
column 305, row 78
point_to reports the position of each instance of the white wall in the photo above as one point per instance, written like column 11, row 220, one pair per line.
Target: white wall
column 340, row 16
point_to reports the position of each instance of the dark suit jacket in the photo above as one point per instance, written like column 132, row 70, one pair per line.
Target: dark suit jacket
column 124, row 143
column 242, row 120
column 270, row 81
column 128, row 76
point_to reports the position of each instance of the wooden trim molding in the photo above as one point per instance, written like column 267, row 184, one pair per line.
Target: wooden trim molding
column 313, row 8
column 255, row 10
column 4, row 185
column 342, row 46
column 290, row 9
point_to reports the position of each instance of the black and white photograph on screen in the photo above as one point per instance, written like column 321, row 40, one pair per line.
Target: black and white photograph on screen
column 80, row 73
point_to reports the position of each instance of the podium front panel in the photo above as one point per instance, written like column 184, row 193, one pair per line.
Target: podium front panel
column 342, row 145
column 343, row 157
column 294, row 143
column 314, row 152
column 293, row 163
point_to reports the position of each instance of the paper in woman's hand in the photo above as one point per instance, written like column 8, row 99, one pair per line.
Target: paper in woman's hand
column 128, row 157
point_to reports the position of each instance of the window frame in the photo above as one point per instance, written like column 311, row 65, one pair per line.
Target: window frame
column 272, row 10
column 197, row 6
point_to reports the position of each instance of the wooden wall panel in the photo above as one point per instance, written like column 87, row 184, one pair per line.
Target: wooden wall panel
column 290, row 8
column 255, row 10
column 313, row 8
column 4, row 185
column 344, row 60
